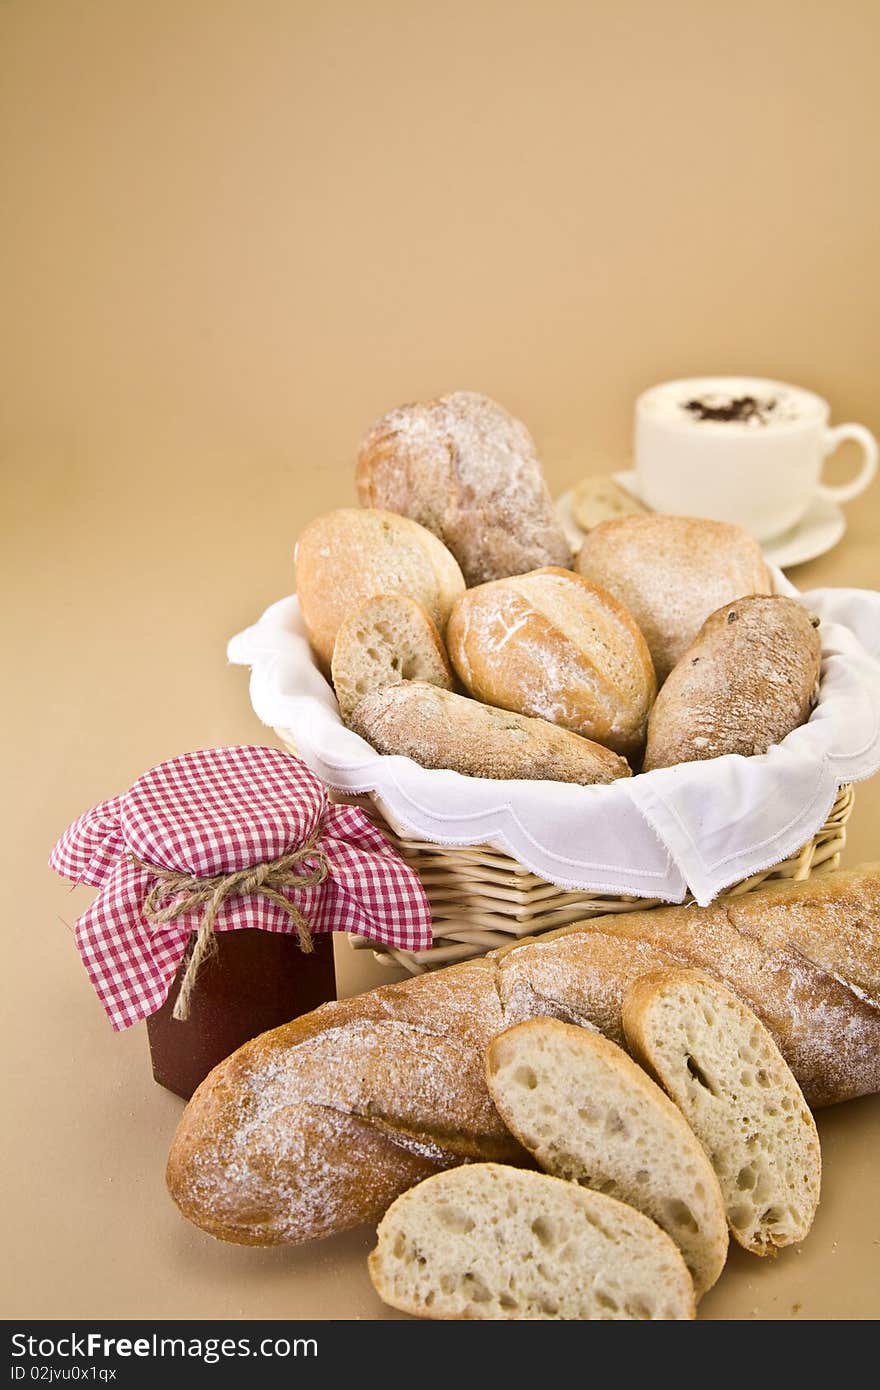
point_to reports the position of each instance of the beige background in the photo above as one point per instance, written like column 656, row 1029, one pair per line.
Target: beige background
column 234, row 231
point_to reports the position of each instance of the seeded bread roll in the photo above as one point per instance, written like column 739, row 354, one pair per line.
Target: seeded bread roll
column 586, row 1112
column 346, row 556
column 317, row 1126
column 490, row 1242
column 466, row 469
column 671, row 572
column 387, row 639
column 552, row 645
column 437, row 728
column 748, row 680
column 728, row 1077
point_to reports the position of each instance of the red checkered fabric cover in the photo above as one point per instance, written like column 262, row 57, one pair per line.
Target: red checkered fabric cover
column 214, row 812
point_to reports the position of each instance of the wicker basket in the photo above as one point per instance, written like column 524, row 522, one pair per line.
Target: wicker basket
column 481, row 898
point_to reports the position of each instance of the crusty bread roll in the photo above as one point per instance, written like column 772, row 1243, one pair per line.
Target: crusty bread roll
column 552, row 645
column 490, row 1242
column 317, row 1126
column 750, row 677
column 386, row 639
column 351, row 554
column 671, row 572
column 586, row 1112
column 466, row 469
column 437, row 728
column 728, row 1077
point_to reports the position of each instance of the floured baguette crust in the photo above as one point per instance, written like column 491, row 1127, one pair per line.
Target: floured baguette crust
column 316, row 1126
column 671, row 572
column 437, row 728
column 467, row 470
column 551, row 645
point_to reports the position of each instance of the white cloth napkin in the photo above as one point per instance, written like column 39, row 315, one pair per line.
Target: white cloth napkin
column 699, row 826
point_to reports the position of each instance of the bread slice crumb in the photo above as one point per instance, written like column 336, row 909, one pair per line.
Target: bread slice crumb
column 386, row 639
column 490, row 1242
column 587, row 1112
column 722, row 1068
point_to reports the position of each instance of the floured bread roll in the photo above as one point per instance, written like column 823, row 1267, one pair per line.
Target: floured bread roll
column 551, row 645
column 749, row 679
column 466, row 469
column 437, row 728
column 671, row 572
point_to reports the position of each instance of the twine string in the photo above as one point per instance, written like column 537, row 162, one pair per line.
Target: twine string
column 172, row 894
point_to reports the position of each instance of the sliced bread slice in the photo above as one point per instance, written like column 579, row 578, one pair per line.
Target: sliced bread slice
column 588, row 1113
column 722, row 1068
column 488, row 1241
column 386, row 639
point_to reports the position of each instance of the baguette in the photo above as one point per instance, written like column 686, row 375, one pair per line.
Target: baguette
column 496, row 1243
column 349, row 555
column 468, row 471
column 551, row 645
column 437, row 728
column 727, row 1076
column 318, row 1125
column 671, row 572
column 586, row 1112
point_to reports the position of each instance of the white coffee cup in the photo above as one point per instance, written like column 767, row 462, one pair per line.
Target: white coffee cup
column 700, row 451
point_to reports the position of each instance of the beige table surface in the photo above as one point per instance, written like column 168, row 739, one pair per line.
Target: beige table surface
column 131, row 670
column 236, row 233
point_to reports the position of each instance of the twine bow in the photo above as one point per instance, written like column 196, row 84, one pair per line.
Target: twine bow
column 188, row 892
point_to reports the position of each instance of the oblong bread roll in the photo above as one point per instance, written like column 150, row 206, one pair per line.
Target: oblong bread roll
column 551, row 645
column 437, row 728
column 747, row 681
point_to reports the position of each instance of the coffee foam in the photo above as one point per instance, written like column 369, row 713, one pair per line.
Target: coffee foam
column 740, row 403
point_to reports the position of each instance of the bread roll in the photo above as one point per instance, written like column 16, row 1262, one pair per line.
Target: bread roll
column 439, row 729
column 599, row 499
column 386, row 639
column 729, row 1079
column 496, row 1243
column 317, row 1126
column 552, row 645
column 671, row 572
column 586, row 1112
column 466, row 469
column 750, row 678
column 346, row 556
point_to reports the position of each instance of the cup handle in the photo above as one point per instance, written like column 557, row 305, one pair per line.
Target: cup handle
column 847, row 491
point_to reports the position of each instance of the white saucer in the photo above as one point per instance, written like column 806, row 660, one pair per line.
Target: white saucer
column 818, row 531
